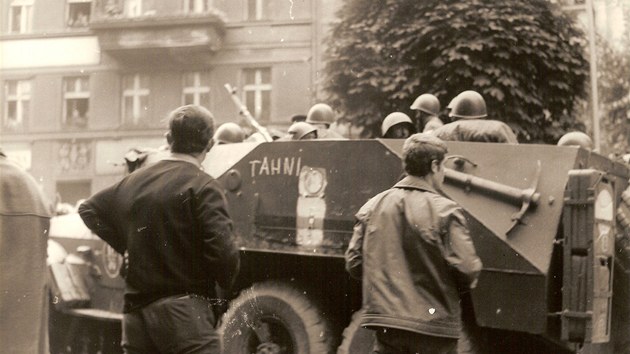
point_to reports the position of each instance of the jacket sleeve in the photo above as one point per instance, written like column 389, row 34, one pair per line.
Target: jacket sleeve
column 460, row 251
column 97, row 215
column 220, row 251
column 354, row 254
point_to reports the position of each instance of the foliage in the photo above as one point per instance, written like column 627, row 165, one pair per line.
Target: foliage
column 614, row 86
column 524, row 57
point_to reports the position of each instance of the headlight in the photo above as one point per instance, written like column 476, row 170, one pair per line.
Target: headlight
column 313, row 181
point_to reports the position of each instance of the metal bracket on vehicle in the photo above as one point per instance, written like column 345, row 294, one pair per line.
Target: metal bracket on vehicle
column 529, row 196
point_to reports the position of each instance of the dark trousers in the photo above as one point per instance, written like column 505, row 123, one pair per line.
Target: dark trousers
column 175, row 324
column 396, row 341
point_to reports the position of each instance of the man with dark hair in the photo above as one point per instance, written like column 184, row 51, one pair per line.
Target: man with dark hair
column 413, row 253
column 171, row 222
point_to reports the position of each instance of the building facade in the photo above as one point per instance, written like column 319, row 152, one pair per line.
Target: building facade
column 86, row 80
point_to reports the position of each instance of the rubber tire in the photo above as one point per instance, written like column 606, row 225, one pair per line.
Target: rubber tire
column 356, row 339
column 283, row 304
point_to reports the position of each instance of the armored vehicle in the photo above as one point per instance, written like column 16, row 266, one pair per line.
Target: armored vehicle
column 550, row 224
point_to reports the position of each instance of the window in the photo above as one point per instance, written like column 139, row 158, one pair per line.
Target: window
column 135, row 98
column 79, row 13
column 196, row 6
column 196, row 89
column 257, row 90
column 17, row 95
column 20, row 16
column 256, row 10
column 76, row 101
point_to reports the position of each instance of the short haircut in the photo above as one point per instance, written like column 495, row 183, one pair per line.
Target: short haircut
column 191, row 127
column 419, row 150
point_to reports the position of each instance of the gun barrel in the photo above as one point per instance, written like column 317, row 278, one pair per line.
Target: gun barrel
column 245, row 113
column 511, row 194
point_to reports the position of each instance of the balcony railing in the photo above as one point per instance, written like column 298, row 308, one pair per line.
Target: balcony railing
column 173, row 38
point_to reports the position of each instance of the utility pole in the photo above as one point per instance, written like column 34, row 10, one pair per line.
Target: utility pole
column 590, row 13
column 587, row 7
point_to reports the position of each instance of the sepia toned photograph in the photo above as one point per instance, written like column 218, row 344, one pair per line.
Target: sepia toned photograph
column 315, row 177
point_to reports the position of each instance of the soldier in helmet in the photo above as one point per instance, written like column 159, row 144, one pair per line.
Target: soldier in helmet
column 450, row 106
column 302, row 131
column 576, row 139
column 229, row 133
column 397, row 125
column 428, row 108
column 322, row 116
column 469, row 112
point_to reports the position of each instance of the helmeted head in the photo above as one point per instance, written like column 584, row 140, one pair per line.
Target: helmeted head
column 229, row 133
column 320, row 113
column 469, row 105
column 395, row 124
column 419, row 153
column 576, row 139
column 190, row 129
column 427, row 103
column 450, row 106
column 302, row 131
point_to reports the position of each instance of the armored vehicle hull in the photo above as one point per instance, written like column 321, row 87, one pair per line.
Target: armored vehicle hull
column 547, row 222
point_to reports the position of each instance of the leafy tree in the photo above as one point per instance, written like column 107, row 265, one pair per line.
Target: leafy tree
column 524, row 57
column 614, row 85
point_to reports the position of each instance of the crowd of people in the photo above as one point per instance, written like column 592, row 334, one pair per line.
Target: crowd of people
column 466, row 115
column 411, row 246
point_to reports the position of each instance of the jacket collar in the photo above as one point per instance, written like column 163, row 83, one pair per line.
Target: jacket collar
column 174, row 156
column 415, row 182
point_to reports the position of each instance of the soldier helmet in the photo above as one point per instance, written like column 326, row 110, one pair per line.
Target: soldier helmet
column 469, row 105
column 394, row 119
column 320, row 113
column 576, row 139
column 229, row 133
column 427, row 103
column 300, row 129
column 451, row 104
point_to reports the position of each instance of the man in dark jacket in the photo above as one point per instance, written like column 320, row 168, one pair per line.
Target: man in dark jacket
column 412, row 250
column 170, row 220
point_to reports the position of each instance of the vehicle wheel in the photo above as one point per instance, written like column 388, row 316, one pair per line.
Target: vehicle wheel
column 274, row 317
column 356, row 339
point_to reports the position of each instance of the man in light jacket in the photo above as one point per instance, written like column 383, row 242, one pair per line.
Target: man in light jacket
column 413, row 252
